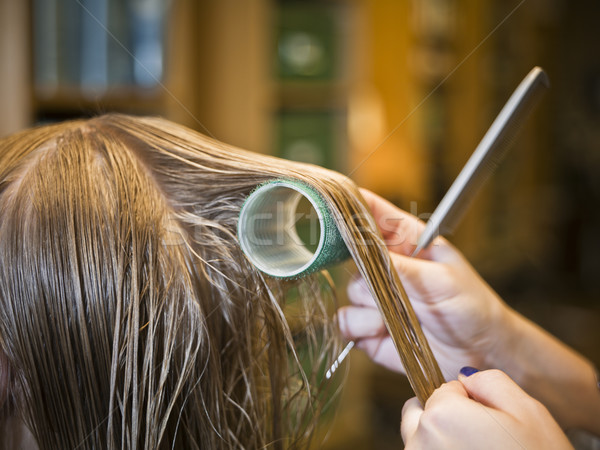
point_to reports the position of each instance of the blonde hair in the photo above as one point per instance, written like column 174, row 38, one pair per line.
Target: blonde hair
column 128, row 314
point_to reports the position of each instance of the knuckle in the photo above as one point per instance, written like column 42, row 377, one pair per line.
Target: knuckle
column 433, row 419
column 448, row 276
column 537, row 408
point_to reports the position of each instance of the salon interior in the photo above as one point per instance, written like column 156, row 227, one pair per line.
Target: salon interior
column 396, row 94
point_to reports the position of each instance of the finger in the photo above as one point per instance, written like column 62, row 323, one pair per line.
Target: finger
column 360, row 322
column 447, row 394
column 399, row 229
column 424, row 280
column 495, row 389
column 359, row 294
column 411, row 414
column 382, row 351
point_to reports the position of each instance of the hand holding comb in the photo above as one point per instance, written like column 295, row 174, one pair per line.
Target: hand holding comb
column 482, row 163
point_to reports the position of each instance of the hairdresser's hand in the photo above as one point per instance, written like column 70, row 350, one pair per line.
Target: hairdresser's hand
column 460, row 314
column 467, row 324
column 484, row 410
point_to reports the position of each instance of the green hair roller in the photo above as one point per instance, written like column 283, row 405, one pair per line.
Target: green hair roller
column 269, row 238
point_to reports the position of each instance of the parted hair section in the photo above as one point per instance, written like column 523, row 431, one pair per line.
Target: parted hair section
column 129, row 317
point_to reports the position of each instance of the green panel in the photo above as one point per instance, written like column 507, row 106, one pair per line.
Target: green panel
column 306, row 42
column 307, row 137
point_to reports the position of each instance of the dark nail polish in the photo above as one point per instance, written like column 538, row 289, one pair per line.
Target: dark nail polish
column 468, row 371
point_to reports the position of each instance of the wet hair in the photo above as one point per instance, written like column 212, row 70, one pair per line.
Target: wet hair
column 129, row 316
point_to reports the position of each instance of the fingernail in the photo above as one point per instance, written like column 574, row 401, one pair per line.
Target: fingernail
column 467, row 371
column 354, row 285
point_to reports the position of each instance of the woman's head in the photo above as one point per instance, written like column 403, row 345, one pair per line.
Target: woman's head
column 128, row 315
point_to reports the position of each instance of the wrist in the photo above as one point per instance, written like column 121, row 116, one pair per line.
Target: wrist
column 563, row 380
column 505, row 349
column 523, row 350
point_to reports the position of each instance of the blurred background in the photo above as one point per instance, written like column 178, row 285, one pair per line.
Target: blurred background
column 394, row 93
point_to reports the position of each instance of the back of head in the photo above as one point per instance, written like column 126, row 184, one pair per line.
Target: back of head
column 128, row 315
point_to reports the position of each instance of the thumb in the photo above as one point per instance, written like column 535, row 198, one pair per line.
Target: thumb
column 495, row 389
column 411, row 415
column 421, row 278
